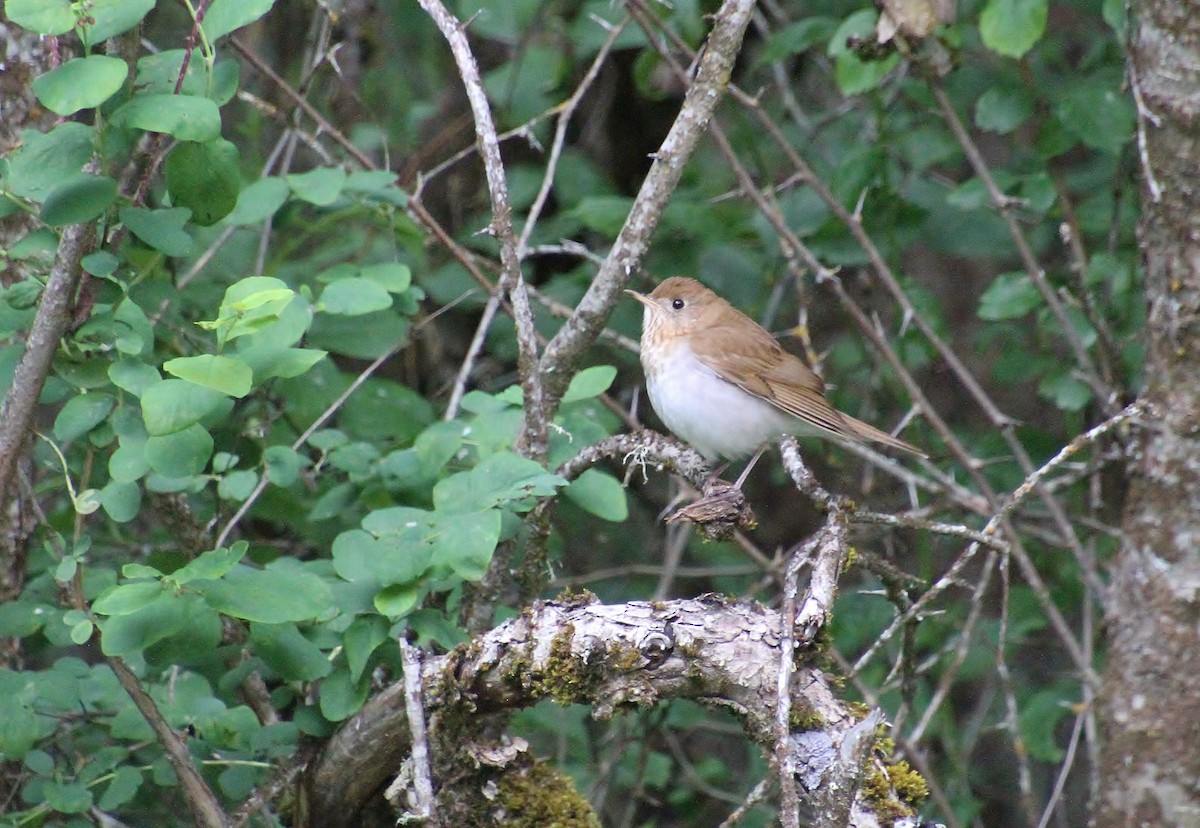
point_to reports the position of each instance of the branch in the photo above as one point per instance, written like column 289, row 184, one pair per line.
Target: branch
column 534, row 436
column 562, row 354
column 51, row 322
column 719, row 652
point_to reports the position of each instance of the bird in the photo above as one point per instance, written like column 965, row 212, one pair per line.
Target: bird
column 720, row 382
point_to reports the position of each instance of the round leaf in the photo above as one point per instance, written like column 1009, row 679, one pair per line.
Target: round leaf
column 80, row 198
column 289, row 653
column 204, row 178
column 180, row 454
column 259, row 201
column 600, row 494
column 81, row 414
column 173, row 405
column 186, row 117
column 220, row 373
column 82, row 83
column 160, row 229
column 270, row 596
column 354, row 297
column 320, row 187
column 46, row 17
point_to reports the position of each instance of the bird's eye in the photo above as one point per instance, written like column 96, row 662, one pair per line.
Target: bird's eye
column 677, row 304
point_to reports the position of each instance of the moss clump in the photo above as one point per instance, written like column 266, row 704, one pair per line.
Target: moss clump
column 890, row 785
column 540, row 797
column 805, row 717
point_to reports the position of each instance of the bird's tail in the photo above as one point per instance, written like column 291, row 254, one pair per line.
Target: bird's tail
column 865, row 431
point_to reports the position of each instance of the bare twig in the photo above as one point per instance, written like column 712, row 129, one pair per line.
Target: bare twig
column 561, row 355
column 426, row 805
column 538, row 413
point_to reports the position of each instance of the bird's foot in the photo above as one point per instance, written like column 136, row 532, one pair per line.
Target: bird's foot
column 722, row 510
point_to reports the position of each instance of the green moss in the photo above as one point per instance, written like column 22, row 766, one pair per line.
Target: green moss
column 890, row 785
column 805, row 717
column 540, row 797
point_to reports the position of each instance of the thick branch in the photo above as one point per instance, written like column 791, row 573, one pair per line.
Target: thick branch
column 626, row 655
column 53, row 317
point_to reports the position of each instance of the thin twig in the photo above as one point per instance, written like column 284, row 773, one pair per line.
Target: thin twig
column 426, row 805
column 263, row 481
column 538, row 414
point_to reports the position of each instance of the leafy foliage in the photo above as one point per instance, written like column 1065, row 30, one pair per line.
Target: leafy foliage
column 234, row 493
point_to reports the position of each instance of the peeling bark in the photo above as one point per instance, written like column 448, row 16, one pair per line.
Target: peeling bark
column 718, row 652
column 1151, row 699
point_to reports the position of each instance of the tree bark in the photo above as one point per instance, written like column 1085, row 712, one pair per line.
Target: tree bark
column 1151, row 700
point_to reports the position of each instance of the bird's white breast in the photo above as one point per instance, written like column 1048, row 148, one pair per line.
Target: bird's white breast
column 716, row 417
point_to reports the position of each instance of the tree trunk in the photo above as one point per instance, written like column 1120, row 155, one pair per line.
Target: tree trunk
column 1151, row 698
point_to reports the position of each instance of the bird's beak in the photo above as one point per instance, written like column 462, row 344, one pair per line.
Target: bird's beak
column 644, row 299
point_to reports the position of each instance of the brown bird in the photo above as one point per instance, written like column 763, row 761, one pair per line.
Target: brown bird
column 719, row 381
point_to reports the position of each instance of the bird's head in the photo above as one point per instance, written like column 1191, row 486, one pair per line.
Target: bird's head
column 679, row 306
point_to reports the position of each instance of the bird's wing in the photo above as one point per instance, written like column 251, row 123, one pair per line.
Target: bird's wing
column 759, row 366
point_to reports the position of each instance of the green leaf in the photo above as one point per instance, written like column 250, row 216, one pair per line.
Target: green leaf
column 109, row 18
column 205, row 178
column 1038, row 722
column 1010, row 296
column 268, row 361
column 1012, row 27
column 1003, row 109
column 400, row 556
column 158, row 619
column 81, row 414
column 502, row 479
column 320, row 187
column 259, row 201
column 395, row 277
column 237, row 485
column 797, row 37
column 181, row 453
column 271, row 596
column 125, row 599
column 436, row 445
column 225, row 16
column 67, row 797
column 175, row 404
column 121, row 500
column 46, row 17
column 133, row 375
column 101, row 263
column 1098, row 114
column 853, row 74
column 249, row 305
column 46, row 159
column 80, row 198
column 82, row 631
column 354, row 297
column 341, row 697
column 158, row 73
column 361, row 639
column 123, row 788
column 465, row 542
column 214, row 563
column 590, row 382
column 160, row 229
column 289, row 653
column 81, row 83
column 1066, row 391
column 283, row 465
column 227, row 375
column 600, row 494
column 397, row 600
column 186, row 117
